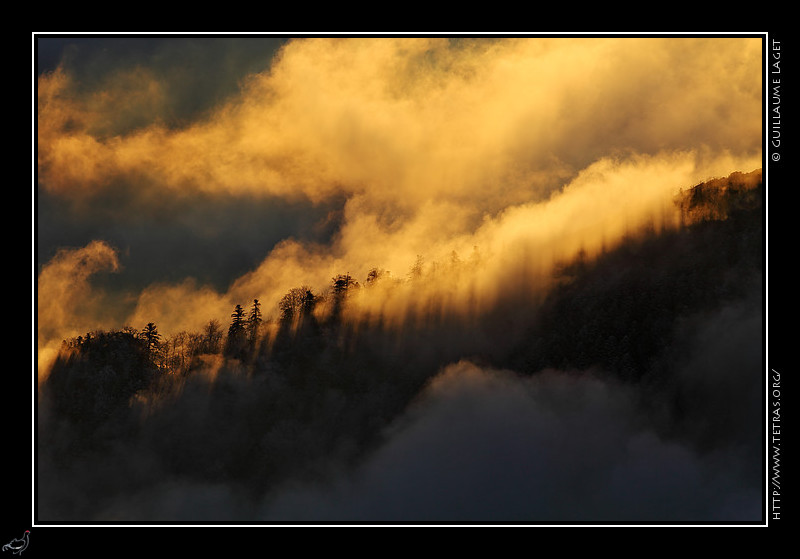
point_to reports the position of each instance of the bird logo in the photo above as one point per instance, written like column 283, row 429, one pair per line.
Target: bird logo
column 18, row 545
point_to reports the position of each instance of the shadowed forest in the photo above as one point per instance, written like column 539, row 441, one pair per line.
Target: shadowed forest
column 651, row 351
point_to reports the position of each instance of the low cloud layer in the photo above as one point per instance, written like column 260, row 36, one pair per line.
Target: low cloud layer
column 488, row 445
column 477, row 445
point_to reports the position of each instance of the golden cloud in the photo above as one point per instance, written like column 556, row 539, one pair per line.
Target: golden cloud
column 407, row 120
column 66, row 304
column 505, row 156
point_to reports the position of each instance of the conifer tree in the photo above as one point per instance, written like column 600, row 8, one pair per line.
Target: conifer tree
column 151, row 336
column 237, row 322
column 254, row 320
column 236, row 332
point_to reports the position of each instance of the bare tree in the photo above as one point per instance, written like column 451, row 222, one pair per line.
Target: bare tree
column 297, row 302
column 212, row 337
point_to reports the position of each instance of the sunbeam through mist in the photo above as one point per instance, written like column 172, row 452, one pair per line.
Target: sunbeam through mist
column 399, row 279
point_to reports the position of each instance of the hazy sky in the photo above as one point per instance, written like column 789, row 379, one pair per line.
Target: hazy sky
column 178, row 177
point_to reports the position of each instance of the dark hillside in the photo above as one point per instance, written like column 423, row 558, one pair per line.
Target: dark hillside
column 618, row 312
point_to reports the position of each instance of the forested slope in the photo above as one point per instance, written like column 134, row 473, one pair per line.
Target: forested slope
column 129, row 417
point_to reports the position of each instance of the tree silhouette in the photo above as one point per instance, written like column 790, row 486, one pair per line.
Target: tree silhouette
column 254, row 321
column 294, row 303
column 237, row 321
column 151, row 336
column 212, row 336
column 234, row 346
column 342, row 284
column 308, row 304
column 375, row 275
